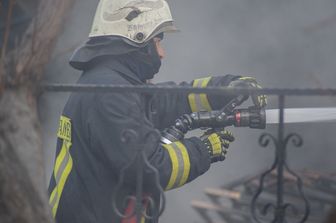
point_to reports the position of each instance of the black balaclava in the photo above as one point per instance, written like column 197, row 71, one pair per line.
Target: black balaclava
column 143, row 61
column 146, row 62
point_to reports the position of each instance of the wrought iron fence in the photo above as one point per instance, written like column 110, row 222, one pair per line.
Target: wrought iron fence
column 131, row 138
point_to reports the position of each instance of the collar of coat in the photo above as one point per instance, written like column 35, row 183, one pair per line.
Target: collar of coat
column 123, row 66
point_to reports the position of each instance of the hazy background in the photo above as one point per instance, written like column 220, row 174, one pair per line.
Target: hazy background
column 283, row 43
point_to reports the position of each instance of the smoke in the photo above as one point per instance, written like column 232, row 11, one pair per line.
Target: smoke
column 289, row 43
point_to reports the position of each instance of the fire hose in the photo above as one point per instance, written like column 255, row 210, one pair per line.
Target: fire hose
column 252, row 117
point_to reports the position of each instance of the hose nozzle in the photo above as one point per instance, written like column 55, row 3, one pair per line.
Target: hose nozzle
column 252, row 117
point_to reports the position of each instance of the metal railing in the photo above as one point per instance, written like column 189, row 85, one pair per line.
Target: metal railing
column 280, row 165
column 131, row 138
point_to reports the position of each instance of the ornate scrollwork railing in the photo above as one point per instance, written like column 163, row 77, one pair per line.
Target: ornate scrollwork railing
column 280, row 166
column 149, row 211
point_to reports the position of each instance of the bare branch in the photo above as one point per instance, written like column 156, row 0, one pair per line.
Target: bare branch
column 24, row 65
column 52, row 14
column 22, row 190
column 4, row 43
column 7, row 29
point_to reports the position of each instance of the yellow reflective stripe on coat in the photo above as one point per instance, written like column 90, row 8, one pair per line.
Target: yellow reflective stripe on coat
column 186, row 163
column 143, row 219
column 60, row 158
column 63, row 163
column 175, row 166
column 180, row 164
column 199, row 102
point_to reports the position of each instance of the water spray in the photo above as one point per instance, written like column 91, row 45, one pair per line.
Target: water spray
column 302, row 115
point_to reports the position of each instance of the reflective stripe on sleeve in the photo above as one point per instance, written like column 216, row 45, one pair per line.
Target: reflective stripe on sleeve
column 175, row 165
column 180, row 164
column 143, row 219
column 61, row 176
column 186, row 163
column 63, row 163
column 199, row 102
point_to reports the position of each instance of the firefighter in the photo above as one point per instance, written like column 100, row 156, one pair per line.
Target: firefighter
column 124, row 48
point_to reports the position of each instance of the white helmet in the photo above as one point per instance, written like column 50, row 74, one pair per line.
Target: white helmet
column 135, row 20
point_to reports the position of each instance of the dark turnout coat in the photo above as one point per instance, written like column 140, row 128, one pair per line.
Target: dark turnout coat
column 90, row 151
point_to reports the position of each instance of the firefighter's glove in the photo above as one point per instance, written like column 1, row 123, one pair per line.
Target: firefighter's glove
column 259, row 101
column 217, row 144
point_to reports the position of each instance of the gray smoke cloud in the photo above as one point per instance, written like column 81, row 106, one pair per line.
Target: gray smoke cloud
column 289, row 43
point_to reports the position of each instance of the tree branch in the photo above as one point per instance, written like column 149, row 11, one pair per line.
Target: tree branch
column 23, row 195
column 7, row 29
column 25, row 65
column 5, row 42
